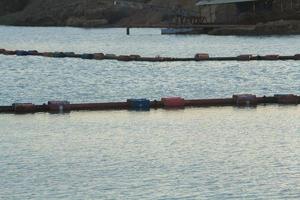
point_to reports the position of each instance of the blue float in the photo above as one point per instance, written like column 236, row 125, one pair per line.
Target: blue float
column 21, row 53
column 139, row 104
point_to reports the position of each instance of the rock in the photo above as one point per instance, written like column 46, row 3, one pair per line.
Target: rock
column 82, row 22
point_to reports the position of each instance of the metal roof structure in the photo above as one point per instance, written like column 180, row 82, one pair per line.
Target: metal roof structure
column 214, row 2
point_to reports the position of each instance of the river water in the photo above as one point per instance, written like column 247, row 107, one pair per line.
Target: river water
column 208, row 153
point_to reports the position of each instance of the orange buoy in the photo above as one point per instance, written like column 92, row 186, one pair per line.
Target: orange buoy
column 201, row 56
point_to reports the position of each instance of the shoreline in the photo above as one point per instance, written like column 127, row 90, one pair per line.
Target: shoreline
column 281, row 27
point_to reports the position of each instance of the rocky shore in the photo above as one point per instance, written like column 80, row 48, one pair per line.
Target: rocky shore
column 109, row 13
column 281, row 27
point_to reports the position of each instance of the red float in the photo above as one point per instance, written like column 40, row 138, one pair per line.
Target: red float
column 173, row 102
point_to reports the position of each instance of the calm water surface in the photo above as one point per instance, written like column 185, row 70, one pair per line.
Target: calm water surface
column 211, row 153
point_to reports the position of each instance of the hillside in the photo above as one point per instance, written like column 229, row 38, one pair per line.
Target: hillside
column 87, row 13
column 120, row 13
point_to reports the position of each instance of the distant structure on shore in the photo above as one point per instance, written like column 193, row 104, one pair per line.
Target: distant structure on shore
column 247, row 11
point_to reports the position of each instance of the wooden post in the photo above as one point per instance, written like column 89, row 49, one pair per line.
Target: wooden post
column 128, row 30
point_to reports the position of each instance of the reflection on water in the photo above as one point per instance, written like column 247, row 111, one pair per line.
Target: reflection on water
column 216, row 153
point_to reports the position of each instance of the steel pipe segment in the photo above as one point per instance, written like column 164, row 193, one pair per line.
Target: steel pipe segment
column 87, row 56
column 33, row 53
column 245, row 57
column 222, row 58
column 287, row 99
column 47, row 54
column 149, row 59
column 9, row 53
column 271, row 57
column 297, row 57
column 59, row 106
column 99, row 56
column 110, row 57
column 156, row 104
column 266, row 100
column 245, row 100
column 209, row 102
column 124, row 58
column 286, row 58
column 127, row 58
column 70, row 55
column 6, row 109
column 100, row 106
column 135, row 57
column 2, row 51
column 23, row 108
column 58, row 55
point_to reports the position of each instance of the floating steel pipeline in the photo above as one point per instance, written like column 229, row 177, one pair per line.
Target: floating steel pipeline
column 240, row 100
column 127, row 58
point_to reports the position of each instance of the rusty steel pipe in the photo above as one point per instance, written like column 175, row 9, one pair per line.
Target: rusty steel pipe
column 209, row 102
column 129, row 58
column 100, row 106
column 166, row 103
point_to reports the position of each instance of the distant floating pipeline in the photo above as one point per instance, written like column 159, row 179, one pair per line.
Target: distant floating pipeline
column 128, row 58
column 239, row 100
